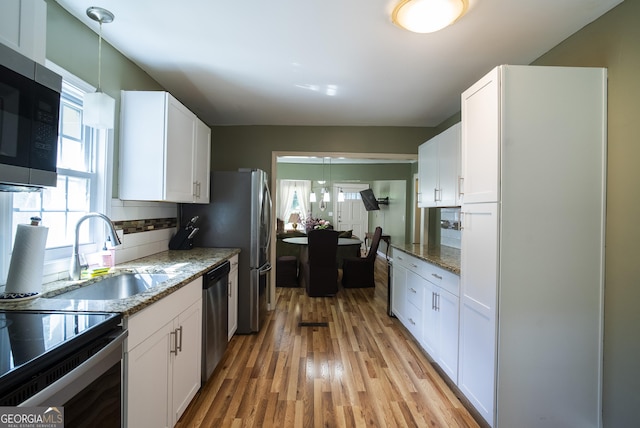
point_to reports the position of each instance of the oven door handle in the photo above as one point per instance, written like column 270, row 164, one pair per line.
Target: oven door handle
column 65, row 388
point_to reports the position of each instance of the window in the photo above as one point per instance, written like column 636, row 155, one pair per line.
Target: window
column 293, row 197
column 83, row 186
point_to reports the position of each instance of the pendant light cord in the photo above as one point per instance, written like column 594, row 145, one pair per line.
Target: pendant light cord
column 99, row 58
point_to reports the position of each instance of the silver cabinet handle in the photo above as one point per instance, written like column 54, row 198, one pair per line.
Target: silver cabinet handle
column 413, row 290
column 412, row 321
column 435, row 195
column 173, row 346
column 436, row 276
column 413, row 265
column 433, row 301
column 179, row 341
column 229, row 289
column 460, row 184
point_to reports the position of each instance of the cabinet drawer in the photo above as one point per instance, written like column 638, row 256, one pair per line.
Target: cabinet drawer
column 406, row 260
column 442, row 278
column 414, row 322
column 415, row 290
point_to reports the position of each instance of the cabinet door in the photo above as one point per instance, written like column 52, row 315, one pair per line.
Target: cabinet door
column 202, row 163
column 398, row 286
column 23, row 27
column 448, row 306
column 478, row 291
column 449, row 167
column 187, row 360
column 149, row 381
column 428, row 172
column 431, row 321
column 180, row 137
column 481, row 140
column 233, row 297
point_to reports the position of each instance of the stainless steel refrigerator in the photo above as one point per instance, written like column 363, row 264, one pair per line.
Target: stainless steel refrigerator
column 239, row 216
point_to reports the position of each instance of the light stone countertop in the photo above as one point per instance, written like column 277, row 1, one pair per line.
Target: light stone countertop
column 185, row 266
column 442, row 256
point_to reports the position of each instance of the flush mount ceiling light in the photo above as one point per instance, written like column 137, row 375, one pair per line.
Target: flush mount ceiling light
column 98, row 107
column 428, row 16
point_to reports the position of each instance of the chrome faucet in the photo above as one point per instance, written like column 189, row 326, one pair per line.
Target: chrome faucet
column 76, row 267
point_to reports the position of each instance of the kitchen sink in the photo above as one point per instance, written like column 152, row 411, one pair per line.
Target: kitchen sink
column 115, row 287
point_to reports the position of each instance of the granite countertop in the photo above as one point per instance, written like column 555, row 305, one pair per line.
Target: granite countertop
column 445, row 257
column 184, row 267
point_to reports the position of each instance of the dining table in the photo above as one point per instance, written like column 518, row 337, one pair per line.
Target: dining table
column 347, row 243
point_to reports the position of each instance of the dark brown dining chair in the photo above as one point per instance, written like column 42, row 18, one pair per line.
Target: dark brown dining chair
column 359, row 271
column 321, row 270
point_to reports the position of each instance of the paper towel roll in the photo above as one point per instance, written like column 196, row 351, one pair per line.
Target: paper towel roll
column 27, row 260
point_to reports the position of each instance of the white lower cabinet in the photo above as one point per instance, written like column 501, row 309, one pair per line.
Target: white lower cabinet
column 425, row 299
column 163, row 358
column 233, row 296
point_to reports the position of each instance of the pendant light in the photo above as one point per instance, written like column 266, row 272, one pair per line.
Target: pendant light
column 98, row 107
column 428, row 16
column 327, row 192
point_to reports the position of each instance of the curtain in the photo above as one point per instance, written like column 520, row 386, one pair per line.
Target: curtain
column 286, row 191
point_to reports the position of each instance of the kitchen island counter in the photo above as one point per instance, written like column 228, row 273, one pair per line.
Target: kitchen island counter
column 183, row 266
column 445, row 257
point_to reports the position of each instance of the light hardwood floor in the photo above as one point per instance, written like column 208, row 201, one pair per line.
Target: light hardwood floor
column 363, row 369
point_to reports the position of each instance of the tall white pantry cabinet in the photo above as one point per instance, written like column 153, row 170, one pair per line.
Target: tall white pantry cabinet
column 532, row 259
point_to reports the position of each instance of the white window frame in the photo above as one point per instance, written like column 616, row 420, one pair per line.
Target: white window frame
column 57, row 259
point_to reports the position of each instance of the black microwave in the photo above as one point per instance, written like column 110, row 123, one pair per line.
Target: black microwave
column 29, row 112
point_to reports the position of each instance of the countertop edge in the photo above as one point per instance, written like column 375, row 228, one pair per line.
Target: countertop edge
column 447, row 258
column 188, row 265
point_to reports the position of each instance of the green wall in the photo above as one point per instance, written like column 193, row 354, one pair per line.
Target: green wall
column 613, row 41
column 251, row 146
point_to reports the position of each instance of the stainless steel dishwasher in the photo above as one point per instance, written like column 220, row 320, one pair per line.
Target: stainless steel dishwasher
column 215, row 317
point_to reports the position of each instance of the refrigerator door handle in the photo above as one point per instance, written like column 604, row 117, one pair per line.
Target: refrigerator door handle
column 265, row 268
column 269, row 231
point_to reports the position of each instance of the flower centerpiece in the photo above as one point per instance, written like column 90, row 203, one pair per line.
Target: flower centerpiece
column 311, row 223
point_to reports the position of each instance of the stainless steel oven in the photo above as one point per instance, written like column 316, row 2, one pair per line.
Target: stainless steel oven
column 64, row 359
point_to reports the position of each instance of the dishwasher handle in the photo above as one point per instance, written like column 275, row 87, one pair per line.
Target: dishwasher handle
column 215, row 274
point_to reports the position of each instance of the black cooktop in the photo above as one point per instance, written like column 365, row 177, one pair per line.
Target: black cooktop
column 30, row 342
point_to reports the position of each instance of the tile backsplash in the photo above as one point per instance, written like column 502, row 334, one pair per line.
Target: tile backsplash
column 145, row 228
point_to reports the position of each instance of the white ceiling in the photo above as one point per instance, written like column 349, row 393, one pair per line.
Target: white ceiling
column 327, row 62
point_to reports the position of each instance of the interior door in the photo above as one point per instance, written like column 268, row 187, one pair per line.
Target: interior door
column 350, row 214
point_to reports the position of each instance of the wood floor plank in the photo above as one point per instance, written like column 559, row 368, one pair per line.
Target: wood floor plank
column 362, row 369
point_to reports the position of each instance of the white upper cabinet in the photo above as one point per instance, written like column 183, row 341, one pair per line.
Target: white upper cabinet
column 201, row 162
column 481, row 140
column 439, row 169
column 164, row 150
column 23, row 27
